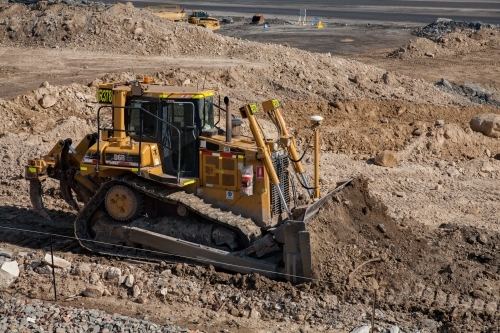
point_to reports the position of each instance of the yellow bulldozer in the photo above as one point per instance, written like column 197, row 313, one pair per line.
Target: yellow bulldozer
column 169, row 12
column 161, row 179
column 204, row 19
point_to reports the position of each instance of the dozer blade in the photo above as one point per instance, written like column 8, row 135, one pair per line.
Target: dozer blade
column 204, row 254
column 307, row 212
column 36, row 198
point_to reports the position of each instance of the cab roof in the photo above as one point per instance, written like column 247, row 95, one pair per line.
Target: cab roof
column 161, row 91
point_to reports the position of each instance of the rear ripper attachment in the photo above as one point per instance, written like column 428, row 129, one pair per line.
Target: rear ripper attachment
column 163, row 180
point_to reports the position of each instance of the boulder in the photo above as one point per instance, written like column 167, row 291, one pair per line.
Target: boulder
column 254, row 314
column 487, row 124
column 387, row 159
column 45, row 269
column 143, row 299
column 474, row 89
column 394, row 329
column 94, row 291
column 113, row 273
column 58, row 262
column 129, row 281
column 11, row 267
column 5, row 253
column 136, row 291
column 82, row 269
column 94, row 278
column 6, row 279
column 446, row 84
column 47, row 101
column 361, row 329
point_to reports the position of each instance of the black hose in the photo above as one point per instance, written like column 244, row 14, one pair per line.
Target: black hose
column 303, row 154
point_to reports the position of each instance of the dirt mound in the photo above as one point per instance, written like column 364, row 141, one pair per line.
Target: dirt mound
column 288, row 73
column 472, row 91
column 393, row 125
column 355, row 228
column 459, row 42
column 358, row 247
column 444, row 26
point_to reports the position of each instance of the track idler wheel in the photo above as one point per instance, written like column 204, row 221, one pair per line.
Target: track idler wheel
column 122, row 203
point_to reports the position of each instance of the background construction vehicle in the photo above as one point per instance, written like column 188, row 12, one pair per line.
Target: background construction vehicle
column 203, row 19
column 170, row 12
column 164, row 177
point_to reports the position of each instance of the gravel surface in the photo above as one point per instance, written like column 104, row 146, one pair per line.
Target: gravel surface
column 18, row 315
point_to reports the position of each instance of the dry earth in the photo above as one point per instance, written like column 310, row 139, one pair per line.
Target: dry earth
column 425, row 233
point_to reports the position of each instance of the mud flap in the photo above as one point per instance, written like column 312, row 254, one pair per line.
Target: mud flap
column 36, row 198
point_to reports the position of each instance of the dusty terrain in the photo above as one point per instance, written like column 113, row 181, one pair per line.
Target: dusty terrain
column 425, row 233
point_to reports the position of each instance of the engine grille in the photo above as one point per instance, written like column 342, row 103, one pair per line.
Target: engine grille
column 280, row 163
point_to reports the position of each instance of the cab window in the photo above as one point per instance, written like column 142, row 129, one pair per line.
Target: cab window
column 133, row 119
column 207, row 113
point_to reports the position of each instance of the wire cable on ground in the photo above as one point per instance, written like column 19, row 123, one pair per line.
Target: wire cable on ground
column 476, row 305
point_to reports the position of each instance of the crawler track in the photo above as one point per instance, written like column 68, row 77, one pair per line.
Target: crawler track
column 245, row 227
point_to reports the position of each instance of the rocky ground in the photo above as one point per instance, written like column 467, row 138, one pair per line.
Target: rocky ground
column 31, row 315
column 421, row 231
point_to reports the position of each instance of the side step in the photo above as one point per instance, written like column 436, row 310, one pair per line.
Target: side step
column 172, row 180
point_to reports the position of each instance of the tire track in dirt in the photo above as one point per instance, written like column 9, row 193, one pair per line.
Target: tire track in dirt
column 15, row 220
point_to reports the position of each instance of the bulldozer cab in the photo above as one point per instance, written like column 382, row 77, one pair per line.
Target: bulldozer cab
column 200, row 14
column 172, row 123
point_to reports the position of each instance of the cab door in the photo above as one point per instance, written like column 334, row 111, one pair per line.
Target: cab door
column 180, row 131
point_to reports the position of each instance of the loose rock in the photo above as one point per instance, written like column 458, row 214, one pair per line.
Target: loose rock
column 6, row 279
column 113, row 273
column 129, row 281
column 487, row 124
column 47, row 101
column 93, row 291
column 11, row 267
column 387, row 159
column 361, row 329
column 58, row 262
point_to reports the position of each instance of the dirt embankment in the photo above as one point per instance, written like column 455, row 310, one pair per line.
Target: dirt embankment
column 457, row 43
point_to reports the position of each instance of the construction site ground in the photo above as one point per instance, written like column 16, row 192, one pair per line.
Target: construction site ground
column 423, row 234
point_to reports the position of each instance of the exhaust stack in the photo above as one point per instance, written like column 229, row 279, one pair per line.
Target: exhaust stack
column 228, row 119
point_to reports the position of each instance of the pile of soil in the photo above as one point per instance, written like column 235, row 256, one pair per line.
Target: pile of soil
column 459, row 42
column 443, row 26
column 289, row 74
column 358, row 247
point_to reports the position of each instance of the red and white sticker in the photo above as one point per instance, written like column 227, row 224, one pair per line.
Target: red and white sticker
column 260, row 172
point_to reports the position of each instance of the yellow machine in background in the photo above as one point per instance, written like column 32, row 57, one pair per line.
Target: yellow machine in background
column 163, row 176
column 169, row 12
column 203, row 19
